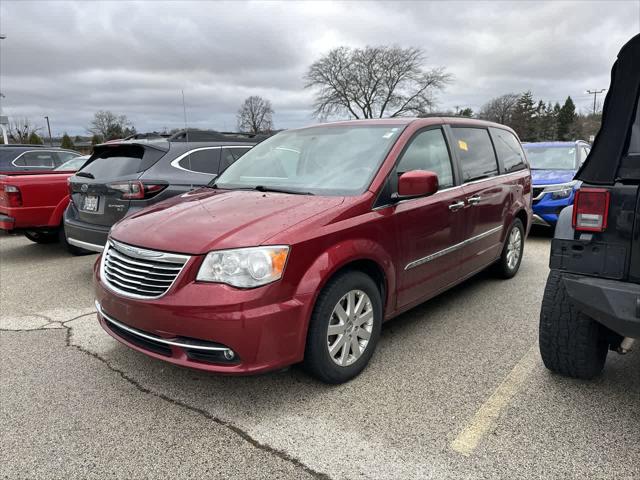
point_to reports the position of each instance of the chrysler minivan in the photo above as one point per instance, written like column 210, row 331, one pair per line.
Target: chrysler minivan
column 304, row 246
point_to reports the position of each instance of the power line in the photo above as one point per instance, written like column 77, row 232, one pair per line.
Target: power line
column 595, row 96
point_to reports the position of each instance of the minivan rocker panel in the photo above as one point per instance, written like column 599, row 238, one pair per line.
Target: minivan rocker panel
column 371, row 254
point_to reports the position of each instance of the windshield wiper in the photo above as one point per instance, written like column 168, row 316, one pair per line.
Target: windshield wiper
column 85, row 174
column 262, row 188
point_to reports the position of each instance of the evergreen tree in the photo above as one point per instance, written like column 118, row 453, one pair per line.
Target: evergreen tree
column 567, row 121
column 67, row 142
column 34, row 139
column 466, row 112
column 96, row 139
column 523, row 117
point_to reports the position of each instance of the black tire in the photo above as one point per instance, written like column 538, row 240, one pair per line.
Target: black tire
column 317, row 360
column 501, row 268
column 72, row 249
column 42, row 237
column 571, row 343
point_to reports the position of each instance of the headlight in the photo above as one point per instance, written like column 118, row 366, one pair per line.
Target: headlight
column 244, row 267
column 561, row 191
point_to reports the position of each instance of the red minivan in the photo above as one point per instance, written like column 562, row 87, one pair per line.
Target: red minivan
column 305, row 245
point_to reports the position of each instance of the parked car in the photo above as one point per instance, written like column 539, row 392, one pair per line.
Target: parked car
column 74, row 164
column 122, row 177
column 20, row 159
column 309, row 241
column 34, row 204
column 553, row 166
column 591, row 303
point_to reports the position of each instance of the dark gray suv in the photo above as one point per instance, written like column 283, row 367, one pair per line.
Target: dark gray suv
column 125, row 176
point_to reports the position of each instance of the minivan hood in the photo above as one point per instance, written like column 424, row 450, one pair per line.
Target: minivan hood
column 551, row 177
column 204, row 220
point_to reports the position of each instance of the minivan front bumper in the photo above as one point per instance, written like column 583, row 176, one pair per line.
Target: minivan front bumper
column 210, row 327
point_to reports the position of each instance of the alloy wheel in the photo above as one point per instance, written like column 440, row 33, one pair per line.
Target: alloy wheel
column 350, row 328
column 514, row 248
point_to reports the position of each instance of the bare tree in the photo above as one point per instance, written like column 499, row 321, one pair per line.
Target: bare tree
column 255, row 115
column 374, row 82
column 109, row 126
column 500, row 109
column 22, row 130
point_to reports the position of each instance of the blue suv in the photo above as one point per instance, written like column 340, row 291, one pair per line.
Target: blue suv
column 553, row 166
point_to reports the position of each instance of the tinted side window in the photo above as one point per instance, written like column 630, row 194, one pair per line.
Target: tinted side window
column 202, row 161
column 477, row 158
column 428, row 151
column 230, row 155
column 508, row 149
column 36, row 159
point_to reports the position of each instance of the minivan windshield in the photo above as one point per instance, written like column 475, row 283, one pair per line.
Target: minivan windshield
column 551, row 158
column 322, row 160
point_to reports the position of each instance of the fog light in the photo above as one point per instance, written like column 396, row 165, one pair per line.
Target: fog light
column 229, row 355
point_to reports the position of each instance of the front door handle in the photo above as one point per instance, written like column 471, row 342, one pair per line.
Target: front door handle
column 475, row 200
column 456, row 206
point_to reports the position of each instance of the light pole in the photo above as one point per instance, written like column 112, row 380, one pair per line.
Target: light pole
column 4, row 121
column 49, row 128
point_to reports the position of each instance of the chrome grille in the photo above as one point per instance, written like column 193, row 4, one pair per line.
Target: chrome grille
column 537, row 192
column 138, row 272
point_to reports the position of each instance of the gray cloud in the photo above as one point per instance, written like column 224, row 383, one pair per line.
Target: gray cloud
column 69, row 59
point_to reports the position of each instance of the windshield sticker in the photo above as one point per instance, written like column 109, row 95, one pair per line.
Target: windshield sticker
column 463, row 145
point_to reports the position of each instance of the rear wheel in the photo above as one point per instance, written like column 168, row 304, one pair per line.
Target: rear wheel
column 42, row 236
column 511, row 258
column 344, row 328
column 571, row 343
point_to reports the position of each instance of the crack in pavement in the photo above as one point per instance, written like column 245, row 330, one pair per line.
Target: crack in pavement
column 230, row 426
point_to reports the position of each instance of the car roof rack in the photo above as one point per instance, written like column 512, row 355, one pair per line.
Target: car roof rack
column 195, row 135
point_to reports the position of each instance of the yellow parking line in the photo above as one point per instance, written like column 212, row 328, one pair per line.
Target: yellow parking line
column 467, row 440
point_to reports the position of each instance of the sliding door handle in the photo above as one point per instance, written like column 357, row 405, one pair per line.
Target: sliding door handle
column 456, row 206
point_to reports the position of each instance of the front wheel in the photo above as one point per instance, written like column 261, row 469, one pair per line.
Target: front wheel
column 344, row 328
column 511, row 258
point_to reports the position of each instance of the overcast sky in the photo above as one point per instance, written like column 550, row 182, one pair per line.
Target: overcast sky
column 70, row 59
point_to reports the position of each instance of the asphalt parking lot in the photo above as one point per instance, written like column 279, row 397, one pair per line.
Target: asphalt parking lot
column 455, row 390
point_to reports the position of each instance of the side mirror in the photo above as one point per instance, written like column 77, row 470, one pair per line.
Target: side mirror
column 417, row 183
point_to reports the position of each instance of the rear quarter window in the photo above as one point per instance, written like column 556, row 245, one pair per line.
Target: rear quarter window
column 475, row 151
column 202, row 161
column 36, row 159
column 509, row 150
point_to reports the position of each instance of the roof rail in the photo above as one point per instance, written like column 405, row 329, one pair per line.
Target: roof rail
column 195, row 135
column 35, row 145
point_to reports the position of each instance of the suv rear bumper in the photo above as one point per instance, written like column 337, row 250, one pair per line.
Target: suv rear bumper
column 85, row 235
column 614, row 304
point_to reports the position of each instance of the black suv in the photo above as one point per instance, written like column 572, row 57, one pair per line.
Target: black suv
column 591, row 302
column 125, row 176
column 32, row 158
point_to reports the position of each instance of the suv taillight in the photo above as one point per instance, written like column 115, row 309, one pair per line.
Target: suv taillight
column 69, row 186
column 591, row 209
column 137, row 190
column 11, row 196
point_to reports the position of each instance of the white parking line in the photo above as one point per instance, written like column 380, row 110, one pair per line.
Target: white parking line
column 486, row 416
